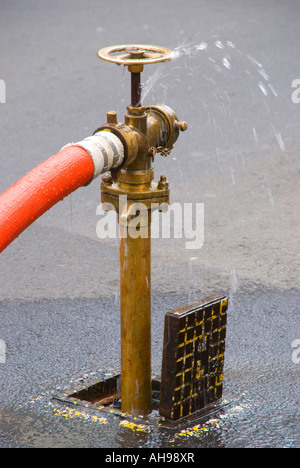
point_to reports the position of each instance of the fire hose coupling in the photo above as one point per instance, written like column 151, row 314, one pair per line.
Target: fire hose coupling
column 105, row 148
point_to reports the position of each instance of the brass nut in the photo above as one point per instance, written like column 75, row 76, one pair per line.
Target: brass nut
column 112, row 117
column 163, row 184
column 135, row 68
column 107, row 178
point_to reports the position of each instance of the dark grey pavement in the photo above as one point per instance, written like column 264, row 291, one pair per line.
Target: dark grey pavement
column 59, row 284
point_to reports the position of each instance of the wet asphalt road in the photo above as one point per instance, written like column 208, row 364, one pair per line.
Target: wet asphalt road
column 59, row 284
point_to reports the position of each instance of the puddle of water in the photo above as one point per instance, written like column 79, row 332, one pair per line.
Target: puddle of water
column 260, row 378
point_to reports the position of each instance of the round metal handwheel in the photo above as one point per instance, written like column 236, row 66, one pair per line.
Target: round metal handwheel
column 135, row 54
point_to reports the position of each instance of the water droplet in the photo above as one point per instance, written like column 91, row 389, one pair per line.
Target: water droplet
column 273, row 90
column 264, row 74
column 234, row 282
column 201, row 46
column 233, row 176
column 226, row 63
column 219, row 44
column 263, row 88
column 254, row 61
column 255, row 135
column 269, row 190
column 280, row 141
column 231, row 44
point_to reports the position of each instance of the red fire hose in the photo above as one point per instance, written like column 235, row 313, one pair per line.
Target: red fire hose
column 53, row 180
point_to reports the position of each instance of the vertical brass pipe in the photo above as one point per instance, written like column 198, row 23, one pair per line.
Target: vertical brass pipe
column 135, row 281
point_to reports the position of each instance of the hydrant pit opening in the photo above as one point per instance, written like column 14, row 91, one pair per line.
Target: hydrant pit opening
column 101, row 393
column 105, row 396
column 190, row 386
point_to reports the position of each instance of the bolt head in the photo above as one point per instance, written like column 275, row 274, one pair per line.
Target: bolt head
column 182, row 126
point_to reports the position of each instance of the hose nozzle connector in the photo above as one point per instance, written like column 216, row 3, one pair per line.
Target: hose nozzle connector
column 105, row 149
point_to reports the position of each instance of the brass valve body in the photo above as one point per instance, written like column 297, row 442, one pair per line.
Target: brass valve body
column 146, row 129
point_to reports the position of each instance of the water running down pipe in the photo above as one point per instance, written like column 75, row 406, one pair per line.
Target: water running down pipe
column 47, row 184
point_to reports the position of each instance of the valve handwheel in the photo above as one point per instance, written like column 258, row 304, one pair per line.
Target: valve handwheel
column 135, row 56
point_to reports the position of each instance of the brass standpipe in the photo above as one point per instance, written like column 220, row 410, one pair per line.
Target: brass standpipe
column 131, row 191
